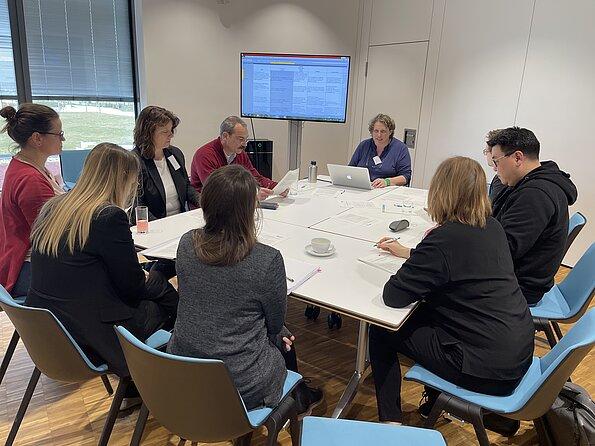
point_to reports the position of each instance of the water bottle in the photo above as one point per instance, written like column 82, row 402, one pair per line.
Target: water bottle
column 312, row 172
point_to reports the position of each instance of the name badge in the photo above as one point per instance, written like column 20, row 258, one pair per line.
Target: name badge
column 174, row 162
column 377, row 160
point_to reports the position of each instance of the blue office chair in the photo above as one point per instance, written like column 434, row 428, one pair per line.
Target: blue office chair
column 575, row 225
column 567, row 301
column 532, row 398
column 63, row 360
column 332, row 432
column 197, row 399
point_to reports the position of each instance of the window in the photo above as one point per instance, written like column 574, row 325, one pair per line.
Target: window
column 8, row 85
column 79, row 62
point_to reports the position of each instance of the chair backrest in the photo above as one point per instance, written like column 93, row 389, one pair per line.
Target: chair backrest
column 575, row 225
column 558, row 365
column 49, row 345
column 579, row 285
column 193, row 398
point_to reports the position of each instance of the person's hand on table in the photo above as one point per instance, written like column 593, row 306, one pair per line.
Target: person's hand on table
column 379, row 183
column 263, row 193
column 389, row 244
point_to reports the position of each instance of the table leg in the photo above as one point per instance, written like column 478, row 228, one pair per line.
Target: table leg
column 361, row 365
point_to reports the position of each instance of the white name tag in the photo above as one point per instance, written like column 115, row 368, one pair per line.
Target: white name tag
column 377, row 160
column 174, row 162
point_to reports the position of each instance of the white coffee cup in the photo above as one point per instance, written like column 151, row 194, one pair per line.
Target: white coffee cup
column 320, row 245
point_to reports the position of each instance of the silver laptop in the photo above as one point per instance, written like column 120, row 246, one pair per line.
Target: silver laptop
column 357, row 177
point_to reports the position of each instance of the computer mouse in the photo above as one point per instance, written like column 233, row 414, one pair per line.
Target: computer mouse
column 398, row 225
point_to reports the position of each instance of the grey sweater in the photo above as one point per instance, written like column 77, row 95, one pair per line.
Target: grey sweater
column 229, row 313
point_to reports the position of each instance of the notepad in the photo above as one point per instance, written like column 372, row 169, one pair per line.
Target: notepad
column 384, row 261
column 286, row 182
column 166, row 250
column 298, row 272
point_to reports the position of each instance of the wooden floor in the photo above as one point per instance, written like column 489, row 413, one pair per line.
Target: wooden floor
column 72, row 414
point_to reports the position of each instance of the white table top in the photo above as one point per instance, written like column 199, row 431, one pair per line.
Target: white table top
column 344, row 284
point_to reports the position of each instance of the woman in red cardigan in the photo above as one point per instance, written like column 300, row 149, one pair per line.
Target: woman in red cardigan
column 37, row 130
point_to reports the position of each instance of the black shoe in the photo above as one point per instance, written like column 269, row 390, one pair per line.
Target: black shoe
column 425, row 405
column 307, row 398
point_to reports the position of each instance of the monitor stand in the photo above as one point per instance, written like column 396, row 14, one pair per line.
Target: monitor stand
column 295, row 144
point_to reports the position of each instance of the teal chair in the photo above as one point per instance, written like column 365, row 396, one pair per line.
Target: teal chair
column 197, row 399
column 567, row 301
column 576, row 223
column 332, row 432
column 57, row 355
column 533, row 396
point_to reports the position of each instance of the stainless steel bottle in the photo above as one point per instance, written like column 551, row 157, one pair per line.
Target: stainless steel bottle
column 312, row 172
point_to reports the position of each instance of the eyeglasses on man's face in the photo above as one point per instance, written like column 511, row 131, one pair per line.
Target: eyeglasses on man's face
column 497, row 160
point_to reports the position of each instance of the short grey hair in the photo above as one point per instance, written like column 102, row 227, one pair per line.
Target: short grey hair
column 230, row 123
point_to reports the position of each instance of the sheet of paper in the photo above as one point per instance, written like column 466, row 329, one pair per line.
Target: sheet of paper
column 357, row 204
column 297, row 272
column 384, row 261
column 286, row 182
column 355, row 219
column 270, row 239
column 165, row 250
column 328, row 192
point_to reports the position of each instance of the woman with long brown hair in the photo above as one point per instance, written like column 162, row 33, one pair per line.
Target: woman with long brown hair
column 472, row 326
column 37, row 132
column 233, row 294
column 82, row 242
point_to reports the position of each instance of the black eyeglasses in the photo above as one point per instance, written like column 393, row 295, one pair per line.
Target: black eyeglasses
column 496, row 160
column 61, row 134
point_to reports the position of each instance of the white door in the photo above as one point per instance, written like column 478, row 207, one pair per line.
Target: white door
column 394, row 86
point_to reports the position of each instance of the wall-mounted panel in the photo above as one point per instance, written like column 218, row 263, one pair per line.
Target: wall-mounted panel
column 557, row 100
column 397, row 21
column 480, row 65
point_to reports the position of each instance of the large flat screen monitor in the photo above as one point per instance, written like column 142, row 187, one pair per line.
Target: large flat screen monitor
column 294, row 86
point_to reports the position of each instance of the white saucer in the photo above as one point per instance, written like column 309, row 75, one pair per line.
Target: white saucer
column 330, row 251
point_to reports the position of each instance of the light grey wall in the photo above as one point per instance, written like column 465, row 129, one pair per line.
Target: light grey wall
column 191, row 64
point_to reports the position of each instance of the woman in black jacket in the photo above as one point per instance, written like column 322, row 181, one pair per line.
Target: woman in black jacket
column 84, row 265
column 164, row 185
column 472, row 326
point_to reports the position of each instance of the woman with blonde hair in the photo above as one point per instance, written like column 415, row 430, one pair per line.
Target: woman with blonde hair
column 84, row 265
column 472, row 326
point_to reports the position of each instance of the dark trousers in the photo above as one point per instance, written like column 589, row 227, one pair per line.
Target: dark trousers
column 21, row 288
column 420, row 343
column 167, row 268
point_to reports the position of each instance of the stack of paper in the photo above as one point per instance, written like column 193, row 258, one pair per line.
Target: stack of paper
column 297, row 272
column 384, row 261
column 165, row 250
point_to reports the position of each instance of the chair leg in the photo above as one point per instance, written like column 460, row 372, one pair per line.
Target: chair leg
column 140, row 426
column 557, row 330
column 549, row 334
column 480, row 431
column 107, row 384
column 23, row 407
column 12, row 345
column 437, row 409
column 244, row 440
column 295, row 430
column 113, row 411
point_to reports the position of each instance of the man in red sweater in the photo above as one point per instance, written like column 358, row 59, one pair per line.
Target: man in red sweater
column 228, row 148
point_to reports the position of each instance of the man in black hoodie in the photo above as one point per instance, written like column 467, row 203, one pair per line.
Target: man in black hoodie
column 533, row 209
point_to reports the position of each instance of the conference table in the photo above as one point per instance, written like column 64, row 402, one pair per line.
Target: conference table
column 353, row 220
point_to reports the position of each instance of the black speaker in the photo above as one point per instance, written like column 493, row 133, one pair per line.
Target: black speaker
column 260, row 152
